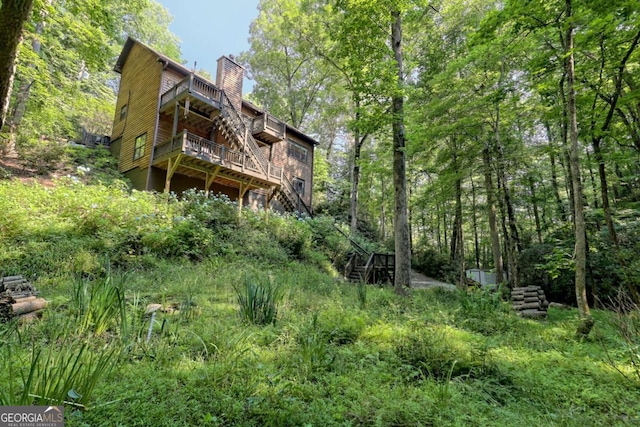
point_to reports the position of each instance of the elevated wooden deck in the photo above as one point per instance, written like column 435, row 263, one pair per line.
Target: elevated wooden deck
column 268, row 129
column 204, row 98
column 191, row 155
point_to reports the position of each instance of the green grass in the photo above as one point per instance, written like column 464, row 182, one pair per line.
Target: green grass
column 338, row 354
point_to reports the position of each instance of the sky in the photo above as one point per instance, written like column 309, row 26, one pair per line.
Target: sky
column 209, row 29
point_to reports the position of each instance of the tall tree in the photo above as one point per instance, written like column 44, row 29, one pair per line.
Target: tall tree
column 291, row 80
column 64, row 79
column 13, row 14
column 401, row 222
column 580, row 254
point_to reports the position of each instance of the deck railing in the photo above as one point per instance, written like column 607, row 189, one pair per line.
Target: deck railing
column 275, row 125
column 269, row 123
column 196, row 146
column 193, row 84
column 379, row 268
column 275, row 171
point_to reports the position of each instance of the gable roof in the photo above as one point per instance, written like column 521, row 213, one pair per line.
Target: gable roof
column 126, row 50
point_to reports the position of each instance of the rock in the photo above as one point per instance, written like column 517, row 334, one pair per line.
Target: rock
column 152, row 307
column 533, row 314
column 557, row 305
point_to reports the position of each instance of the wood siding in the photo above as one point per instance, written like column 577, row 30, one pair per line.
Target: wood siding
column 171, row 77
column 139, row 90
column 294, row 168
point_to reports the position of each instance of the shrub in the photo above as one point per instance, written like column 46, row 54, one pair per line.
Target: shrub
column 258, row 299
column 549, row 266
column 98, row 305
column 293, row 235
column 40, row 155
column 94, row 165
column 483, row 311
column 329, row 241
column 436, row 354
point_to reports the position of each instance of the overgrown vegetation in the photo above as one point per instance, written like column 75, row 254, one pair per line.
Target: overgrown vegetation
column 338, row 354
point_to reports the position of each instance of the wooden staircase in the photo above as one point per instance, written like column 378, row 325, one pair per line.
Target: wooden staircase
column 357, row 274
column 367, row 267
column 239, row 135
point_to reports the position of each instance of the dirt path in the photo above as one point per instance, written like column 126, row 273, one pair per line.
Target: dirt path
column 420, row 281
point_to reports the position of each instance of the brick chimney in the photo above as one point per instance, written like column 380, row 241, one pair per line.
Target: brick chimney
column 229, row 78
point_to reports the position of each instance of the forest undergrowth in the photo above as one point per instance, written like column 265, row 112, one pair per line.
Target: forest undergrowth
column 257, row 326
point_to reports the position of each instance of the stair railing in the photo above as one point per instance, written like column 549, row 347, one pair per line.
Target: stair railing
column 293, row 196
column 359, row 249
column 369, row 268
column 244, row 134
column 351, row 265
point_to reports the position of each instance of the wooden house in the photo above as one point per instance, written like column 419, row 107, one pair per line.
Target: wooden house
column 174, row 130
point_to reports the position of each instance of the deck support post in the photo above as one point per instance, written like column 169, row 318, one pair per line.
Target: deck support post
column 167, row 179
column 171, row 169
column 241, row 192
column 174, row 130
column 209, row 180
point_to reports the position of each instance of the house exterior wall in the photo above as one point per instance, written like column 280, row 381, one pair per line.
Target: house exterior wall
column 293, row 167
column 139, row 91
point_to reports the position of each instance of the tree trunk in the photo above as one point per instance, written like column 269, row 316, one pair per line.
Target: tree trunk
column 536, row 214
column 554, row 176
column 512, row 239
column 20, row 104
column 355, row 174
column 383, row 213
column 445, row 226
column 594, row 187
column 566, row 165
column 410, row 217
column 580, row 255
column 401, row 225
column 439, row 234
column 457, row 238
column 491, row 207
column 474, row 221
column 13, row 14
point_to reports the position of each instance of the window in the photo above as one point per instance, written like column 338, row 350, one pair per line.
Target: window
column 123, row 112
column 298, row 186
column 138, row 149
column 297, row 151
